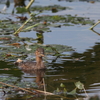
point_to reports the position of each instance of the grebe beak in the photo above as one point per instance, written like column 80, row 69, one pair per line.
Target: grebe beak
column 42, row 55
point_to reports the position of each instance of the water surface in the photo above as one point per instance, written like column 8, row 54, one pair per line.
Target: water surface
column 66, row 69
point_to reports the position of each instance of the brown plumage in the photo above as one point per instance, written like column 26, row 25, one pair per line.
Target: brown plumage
column 29, row 65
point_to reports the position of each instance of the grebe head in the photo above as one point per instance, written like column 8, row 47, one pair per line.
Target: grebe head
column 39, row 52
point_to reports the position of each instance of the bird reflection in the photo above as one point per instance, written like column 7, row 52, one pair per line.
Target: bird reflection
column 39, row 76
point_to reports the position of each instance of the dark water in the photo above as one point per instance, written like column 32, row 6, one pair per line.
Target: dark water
column 82, row 65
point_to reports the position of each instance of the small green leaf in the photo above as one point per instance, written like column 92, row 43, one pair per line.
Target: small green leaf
column 62, row 85
column 79, row 85
column 30, row 27
column 58, row 90
column 65, row 91
column 73, row 92
column 21, row 9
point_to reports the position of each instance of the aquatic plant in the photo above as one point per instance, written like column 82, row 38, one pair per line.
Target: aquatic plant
column 12, row 86
column 63, row 89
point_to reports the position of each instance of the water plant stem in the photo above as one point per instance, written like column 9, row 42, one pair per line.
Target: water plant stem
column 17, row 87
column 91, row 28
column 30, row 27
column 95, row 32
column 85, row 92
column 27, row 90
column 44, row 86
column 22, row 26
column 30, row 3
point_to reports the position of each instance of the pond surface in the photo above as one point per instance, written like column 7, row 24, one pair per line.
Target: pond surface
column 82, row 64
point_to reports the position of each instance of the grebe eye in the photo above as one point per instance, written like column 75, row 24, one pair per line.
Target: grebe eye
column 38, row 51
column 42, row 52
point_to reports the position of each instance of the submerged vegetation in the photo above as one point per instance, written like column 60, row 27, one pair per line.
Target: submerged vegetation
column 53, row 8
column 63, row 90
column 11, row 86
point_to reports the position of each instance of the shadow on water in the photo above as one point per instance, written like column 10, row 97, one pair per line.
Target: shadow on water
column 82, row 67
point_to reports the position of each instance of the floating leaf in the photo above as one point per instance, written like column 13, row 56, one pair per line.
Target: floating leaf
column 21, row 9
column 4, row 38
column 8, row 55
column 53, row 8
column 28, row 48
column 73, row 92
column 62, row 85
column 65, row 91
column 79, row 85
column 22, row 18
column 58, row 90
column 16, row 44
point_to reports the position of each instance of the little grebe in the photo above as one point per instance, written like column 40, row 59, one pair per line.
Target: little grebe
column 29, row 65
